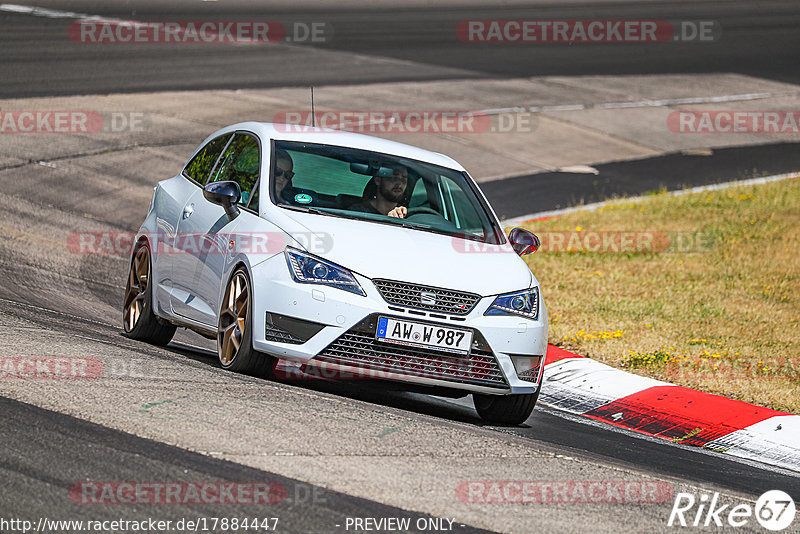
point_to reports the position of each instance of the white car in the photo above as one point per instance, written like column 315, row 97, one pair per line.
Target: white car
column 307, row 248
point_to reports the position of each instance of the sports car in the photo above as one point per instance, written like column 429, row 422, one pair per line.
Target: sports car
column 304, row 248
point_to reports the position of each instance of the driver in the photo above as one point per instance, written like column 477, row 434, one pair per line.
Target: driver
column 389, row 192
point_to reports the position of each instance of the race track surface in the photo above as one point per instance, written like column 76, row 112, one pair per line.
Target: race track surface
column 172, row 415
column 400, row 450
column 391, row 42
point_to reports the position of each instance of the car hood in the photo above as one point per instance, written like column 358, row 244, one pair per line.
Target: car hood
column 392, row 252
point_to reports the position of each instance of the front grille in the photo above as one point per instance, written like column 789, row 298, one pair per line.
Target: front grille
column 359, row 348
column 426, row 297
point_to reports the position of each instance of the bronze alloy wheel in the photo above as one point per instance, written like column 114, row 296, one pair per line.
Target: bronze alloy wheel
column 138, row 317
column 136, row 288
column 233, row 319
column 235, row 330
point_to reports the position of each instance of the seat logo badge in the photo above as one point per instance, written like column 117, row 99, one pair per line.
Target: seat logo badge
column 427, row 298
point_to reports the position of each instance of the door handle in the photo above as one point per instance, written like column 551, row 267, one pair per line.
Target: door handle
column 188, row 210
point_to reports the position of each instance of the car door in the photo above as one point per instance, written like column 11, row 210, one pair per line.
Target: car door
column 170, row 202
column 204, row 233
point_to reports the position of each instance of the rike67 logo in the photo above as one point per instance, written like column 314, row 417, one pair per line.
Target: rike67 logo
column 774, row 510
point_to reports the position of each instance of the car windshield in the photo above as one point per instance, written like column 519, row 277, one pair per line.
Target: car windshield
column 380, row 188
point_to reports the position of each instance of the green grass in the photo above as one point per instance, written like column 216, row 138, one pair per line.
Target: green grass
column 712, row 304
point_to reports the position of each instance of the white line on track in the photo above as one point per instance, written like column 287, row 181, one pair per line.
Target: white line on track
column 49, row 13
column 664, row 102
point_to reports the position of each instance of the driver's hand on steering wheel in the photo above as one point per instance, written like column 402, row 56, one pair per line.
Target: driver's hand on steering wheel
column 399, row 212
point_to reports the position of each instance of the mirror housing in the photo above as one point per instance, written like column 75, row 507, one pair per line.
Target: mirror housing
column 372, row 168
column 523, row 242
column 226, row 194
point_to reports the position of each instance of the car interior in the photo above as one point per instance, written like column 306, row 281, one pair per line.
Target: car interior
column 335, row 179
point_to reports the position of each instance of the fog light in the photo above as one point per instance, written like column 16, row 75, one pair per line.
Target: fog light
column 290, row 329
column 527, row 367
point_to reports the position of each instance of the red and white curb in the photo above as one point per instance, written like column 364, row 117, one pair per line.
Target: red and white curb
column 592, row 389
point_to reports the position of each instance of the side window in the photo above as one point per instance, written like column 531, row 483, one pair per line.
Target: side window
column 201, row 165
column 463, row 211
column 241, row 163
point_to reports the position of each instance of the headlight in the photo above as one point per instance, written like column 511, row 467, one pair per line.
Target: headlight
column 523, row 303
column 307, row 269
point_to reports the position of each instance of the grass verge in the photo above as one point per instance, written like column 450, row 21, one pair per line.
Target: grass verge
column 700, row 290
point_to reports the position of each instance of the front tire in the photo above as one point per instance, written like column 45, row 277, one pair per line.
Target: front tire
column 505, row 409
column 139, row 319
column 235, row 330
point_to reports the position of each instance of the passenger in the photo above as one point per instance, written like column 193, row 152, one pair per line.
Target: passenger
column 283, row 175
column 389, row 192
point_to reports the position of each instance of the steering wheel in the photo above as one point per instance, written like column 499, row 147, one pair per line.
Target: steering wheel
column 421, row 209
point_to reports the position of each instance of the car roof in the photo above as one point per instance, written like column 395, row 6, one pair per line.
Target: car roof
column 326, row 136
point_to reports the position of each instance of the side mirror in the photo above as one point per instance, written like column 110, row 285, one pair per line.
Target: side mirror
column 225, row 194
column 523, row 242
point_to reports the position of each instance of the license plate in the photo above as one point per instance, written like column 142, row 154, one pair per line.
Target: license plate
column 424, row 335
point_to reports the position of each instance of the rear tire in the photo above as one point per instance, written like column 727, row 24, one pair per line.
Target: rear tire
column 235, row 330
column 138, row 318
column 505, row 409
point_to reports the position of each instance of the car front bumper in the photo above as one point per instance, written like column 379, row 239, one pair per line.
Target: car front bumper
column 342, row 322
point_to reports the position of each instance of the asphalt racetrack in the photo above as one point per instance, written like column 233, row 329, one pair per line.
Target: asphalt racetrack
column 393, row 42
column 338, row 450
